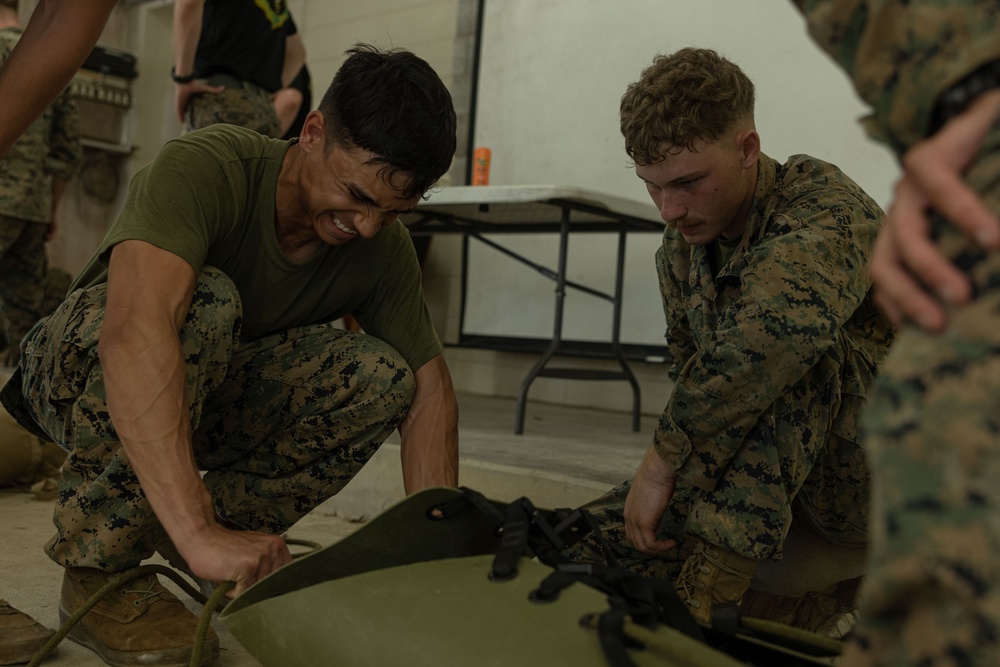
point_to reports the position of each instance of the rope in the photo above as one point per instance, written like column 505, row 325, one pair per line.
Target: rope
column 204, row 620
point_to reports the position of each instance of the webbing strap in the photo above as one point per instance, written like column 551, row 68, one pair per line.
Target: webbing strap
column 521, row 525
column 513, row 542
column 611, row 635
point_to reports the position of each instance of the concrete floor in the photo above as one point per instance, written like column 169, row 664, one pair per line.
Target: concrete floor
column 565, row 457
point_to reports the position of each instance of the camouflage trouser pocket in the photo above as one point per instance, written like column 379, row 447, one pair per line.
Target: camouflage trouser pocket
column 241, row 103
column 63, row 378
column 835, row 497
column 58, row 356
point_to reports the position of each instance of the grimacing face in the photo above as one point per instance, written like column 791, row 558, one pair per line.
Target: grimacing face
column 347, row 197
column 345, row 194
column 705, row 192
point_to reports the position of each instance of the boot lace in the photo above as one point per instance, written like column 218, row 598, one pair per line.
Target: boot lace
column 147, row 589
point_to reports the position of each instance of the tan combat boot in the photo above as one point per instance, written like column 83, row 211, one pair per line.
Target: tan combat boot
column 141, row 624
column 711, row 576
column 21, row 636
column 832, row 612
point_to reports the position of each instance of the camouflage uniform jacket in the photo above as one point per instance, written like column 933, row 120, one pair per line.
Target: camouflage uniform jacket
column 785, row 329
column 903, row 54
column 50, row 148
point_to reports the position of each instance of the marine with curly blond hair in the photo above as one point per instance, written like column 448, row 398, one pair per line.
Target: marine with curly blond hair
column 774, row 342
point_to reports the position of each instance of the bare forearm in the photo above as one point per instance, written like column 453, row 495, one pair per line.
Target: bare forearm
column 145, row 385
column 295, row 58
column 188, row 16
column 145, row 382
column 149, row 295
column 287, row 103
column 54, row 45
column 429, row 434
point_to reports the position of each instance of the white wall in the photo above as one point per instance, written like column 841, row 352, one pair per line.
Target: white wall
column 553, row 72
column 330, row 27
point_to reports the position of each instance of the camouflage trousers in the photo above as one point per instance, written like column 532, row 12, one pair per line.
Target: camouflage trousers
column 279, row 424
column 751, row 510
column 23, row 265
column 932, row 595
column 241, row 103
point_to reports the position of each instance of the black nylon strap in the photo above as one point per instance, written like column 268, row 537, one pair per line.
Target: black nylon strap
column 513, row 542
column 611, row 635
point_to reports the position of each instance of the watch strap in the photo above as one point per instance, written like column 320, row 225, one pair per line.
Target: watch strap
column 957, row 99
column 181, row 79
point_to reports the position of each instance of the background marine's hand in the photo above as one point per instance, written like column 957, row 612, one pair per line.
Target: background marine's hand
column 908, row 270
column 185, row 91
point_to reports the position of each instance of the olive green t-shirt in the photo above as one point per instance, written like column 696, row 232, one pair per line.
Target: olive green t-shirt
column 209, row 198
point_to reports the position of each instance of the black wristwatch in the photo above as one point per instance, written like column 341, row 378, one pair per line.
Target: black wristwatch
column 958, row 98
column 181, row 79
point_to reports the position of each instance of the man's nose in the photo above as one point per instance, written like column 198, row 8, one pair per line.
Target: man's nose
column 671, row 211
column 367, row 224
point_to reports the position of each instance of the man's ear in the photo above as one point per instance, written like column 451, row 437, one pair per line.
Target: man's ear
column 313, row 134
column 749, row 142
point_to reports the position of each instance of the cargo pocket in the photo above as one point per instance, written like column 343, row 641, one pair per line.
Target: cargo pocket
column 59, row 355
column 835, row 497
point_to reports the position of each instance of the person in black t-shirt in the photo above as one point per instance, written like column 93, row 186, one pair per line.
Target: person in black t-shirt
column 230, row 58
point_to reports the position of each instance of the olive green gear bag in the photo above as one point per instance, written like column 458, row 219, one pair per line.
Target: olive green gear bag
column 450, row 578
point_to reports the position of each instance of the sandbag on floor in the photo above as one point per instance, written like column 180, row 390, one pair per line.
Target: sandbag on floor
column 419, row 589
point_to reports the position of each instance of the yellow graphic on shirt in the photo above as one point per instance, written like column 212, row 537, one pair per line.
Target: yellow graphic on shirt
column 277, row 14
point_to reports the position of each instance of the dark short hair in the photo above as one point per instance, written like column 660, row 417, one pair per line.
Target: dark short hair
column 688, row 95
column 391, row 103
column 10, row 4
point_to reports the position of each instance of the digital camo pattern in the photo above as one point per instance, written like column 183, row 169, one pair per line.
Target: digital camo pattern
column 280, row 424
column 932, row 594
column 241, row 103
column 902, row 54
column 49, row 148
column 772, row 362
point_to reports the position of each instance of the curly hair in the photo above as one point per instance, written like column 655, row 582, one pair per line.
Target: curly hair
column 683, row 97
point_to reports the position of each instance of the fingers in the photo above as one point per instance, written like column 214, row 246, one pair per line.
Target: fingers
column 920, row 256
column 647, row 500
column 933, row 172
column 243, row 557
column 899, row 296
column 272, row 554
column 645, row 540
column 937, row 167
column 906, row 263
column 909, row 272
column 185, row 91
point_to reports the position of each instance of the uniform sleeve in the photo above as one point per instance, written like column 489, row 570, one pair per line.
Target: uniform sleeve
column 680, row 344
column 65, row 150
column 797, row 291
column 903, row 54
